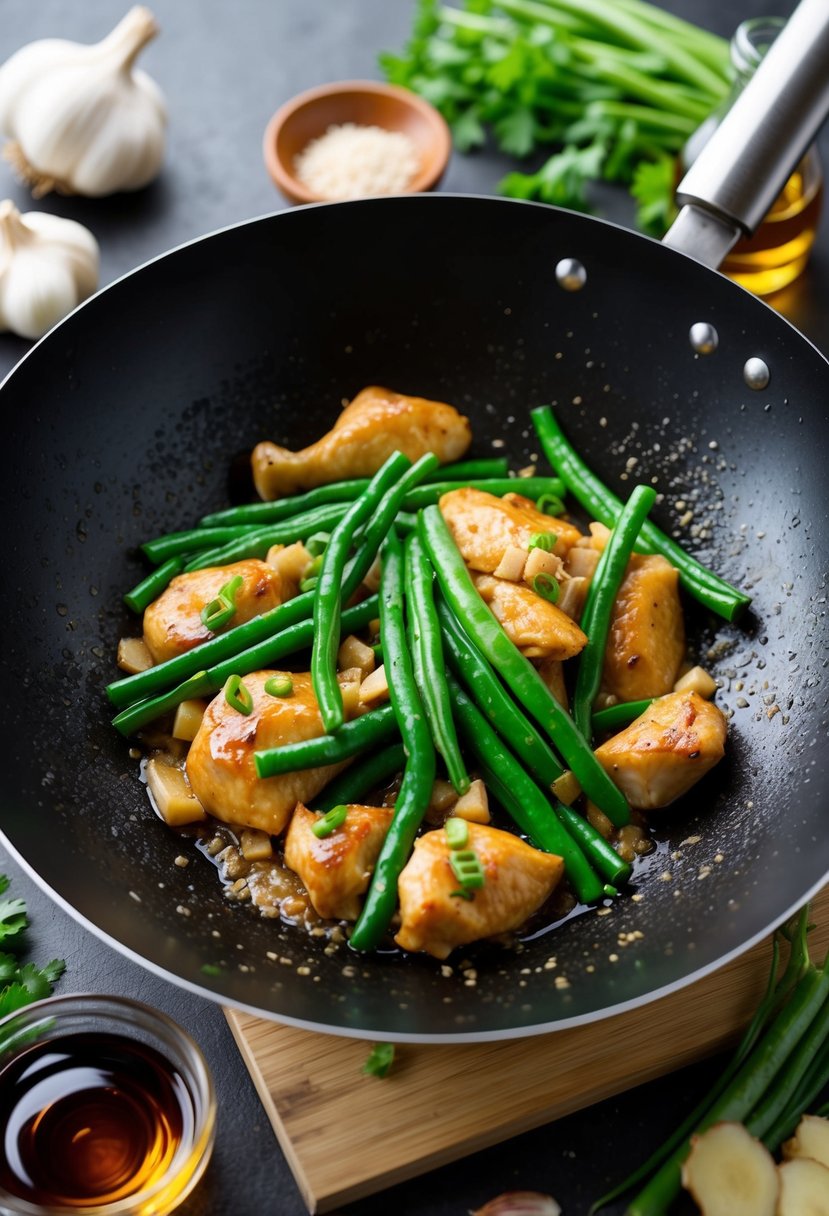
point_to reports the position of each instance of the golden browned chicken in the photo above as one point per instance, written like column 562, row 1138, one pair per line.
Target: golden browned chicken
column 375, row 424
column 659, row 756
column 336, row 869
column 538, row 628
column 173, row 624
column 518, row 879
column 646, row 643
column 220, row 763
column 485, row 526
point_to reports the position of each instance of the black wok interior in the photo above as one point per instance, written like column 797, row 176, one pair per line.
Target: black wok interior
column 125, row 421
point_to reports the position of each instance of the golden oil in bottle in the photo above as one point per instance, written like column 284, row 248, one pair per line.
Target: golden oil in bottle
column 88, row 1119
column 779, row 250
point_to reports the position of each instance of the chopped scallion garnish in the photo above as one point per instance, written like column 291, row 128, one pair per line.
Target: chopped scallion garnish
column 546, row 586
column 330, row 821
column 279, row 686
column 316, row 544
column 238, row 695
column 467, row 868
column 549, row 504
column 542, row 540
column 222, row 610
column 457, row 832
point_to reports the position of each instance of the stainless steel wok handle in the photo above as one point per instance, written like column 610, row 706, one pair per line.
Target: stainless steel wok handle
column 741, row 170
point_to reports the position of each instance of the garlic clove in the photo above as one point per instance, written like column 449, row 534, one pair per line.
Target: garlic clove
column 48, row 265
column 83, row 119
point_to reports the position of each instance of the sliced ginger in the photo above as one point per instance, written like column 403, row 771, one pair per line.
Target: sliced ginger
column 811, row 1139
column 804, row 1188
column 729, row 1173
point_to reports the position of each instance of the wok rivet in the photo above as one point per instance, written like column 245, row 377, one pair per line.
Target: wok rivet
column 570, row 274
column 756, row 373
column 704, row 338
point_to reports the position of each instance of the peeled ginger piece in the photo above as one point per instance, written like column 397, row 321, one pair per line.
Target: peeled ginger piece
column 804, row 1188
column 729, row 1173
column 810, row 1140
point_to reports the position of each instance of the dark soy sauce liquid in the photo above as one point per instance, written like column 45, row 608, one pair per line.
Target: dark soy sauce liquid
column 88, row 1119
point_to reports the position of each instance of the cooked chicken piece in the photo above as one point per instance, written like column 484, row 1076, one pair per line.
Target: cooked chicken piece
column 538, row 628
column 376, row 423
column 646, row 643
column 172, row 623
column 220, row 761
column 670, row 746
column 336, row 869
column 552, row 673
column 518, row 879
column 485, row 526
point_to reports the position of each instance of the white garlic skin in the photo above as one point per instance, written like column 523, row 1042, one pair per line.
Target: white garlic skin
column 48, row 265
column 82, row 119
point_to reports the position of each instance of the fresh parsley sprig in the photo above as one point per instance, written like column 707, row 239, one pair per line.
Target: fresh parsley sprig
column 20, row 983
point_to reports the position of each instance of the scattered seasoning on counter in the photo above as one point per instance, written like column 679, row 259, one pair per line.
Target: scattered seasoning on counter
column 350, row 161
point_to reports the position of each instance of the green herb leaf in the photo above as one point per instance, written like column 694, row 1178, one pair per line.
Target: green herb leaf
column 467, row 130
column 14, row 997
column 562, row 180
column 380, row 1060
column 653, row 188
column 515, row 132
column 12, row 919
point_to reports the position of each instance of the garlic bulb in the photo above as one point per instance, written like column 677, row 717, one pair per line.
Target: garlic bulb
column 82, row 119
column 47, row 266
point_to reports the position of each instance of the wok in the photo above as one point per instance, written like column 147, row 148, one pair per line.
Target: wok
column 127, row 420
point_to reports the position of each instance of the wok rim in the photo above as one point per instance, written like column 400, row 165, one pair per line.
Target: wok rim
column 392, row 1036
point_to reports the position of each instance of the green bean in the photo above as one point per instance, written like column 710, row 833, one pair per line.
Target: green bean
column 362, row 777
column 355, row 736
column 151, row 587
column 529, row 487
column 134, row 688
column 598, row 609
column 173, row 544
column 461, row 470
column 254, row 658
column 286, row 508
column 342, row 491
column 615, row 717
column 516, row 671
column 598, row 852
column 334, row 581
column 520, row 796
column 429, row 666
column 492, row 699
column 329, row 588
column 700, row 582
column 256, row 542
column 419, row 774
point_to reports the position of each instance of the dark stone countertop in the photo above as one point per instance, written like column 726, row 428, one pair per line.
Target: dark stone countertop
column 224, row 69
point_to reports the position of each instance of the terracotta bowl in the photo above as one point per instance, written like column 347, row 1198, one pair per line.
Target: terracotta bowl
column 367, row 103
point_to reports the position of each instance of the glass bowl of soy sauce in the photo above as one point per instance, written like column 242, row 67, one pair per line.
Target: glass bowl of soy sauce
column 106, row 1107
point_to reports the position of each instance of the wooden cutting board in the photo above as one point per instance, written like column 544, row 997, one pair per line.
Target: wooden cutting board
column 328, row 1117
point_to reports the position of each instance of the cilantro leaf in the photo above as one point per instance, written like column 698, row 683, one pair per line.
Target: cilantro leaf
column 653, row 188
column 562, row 179
column 12, row 919
column 467, row 130
column 21, row 983
column 515, row 132
column 14, row 997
